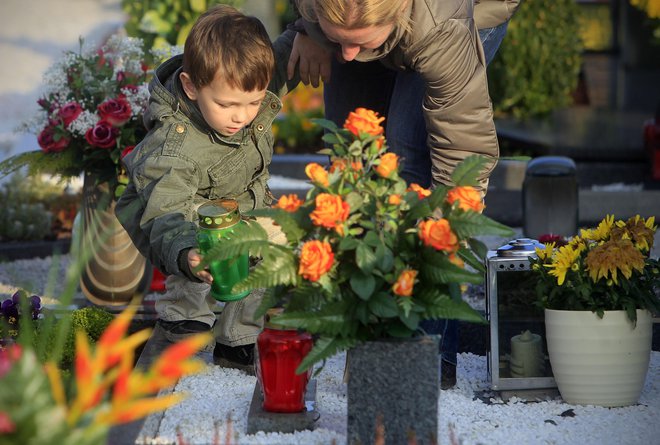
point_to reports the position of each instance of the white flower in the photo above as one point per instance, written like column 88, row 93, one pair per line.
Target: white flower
column 83, row 122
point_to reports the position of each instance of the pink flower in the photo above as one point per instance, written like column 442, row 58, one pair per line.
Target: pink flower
column 102, row 135
column 6, row 424
column 69, row 112
column 8, row 356
column 51, row 140
column 115, row 111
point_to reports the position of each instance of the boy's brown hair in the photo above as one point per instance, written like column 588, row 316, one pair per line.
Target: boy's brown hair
column 227, row 41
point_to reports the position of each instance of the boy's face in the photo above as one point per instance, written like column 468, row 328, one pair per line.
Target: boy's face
column 225, row 108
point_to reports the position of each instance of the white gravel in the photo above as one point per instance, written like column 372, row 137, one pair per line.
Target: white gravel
column 220, row 393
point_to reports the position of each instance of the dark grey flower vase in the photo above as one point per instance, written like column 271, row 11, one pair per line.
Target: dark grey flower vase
column 393, row 389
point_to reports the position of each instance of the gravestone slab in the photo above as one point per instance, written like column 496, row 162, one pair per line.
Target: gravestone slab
column 260, row 420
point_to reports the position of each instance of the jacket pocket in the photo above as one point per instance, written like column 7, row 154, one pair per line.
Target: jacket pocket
column 228, row 176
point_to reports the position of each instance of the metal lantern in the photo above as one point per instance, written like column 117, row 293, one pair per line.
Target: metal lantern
column 517, row 359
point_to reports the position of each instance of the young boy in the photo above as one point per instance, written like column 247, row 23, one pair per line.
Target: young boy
column 209, row 122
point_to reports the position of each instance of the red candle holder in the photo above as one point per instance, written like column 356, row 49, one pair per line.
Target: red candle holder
column 278, row 353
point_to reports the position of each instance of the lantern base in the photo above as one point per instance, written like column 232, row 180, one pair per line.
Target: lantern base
column 268, row 422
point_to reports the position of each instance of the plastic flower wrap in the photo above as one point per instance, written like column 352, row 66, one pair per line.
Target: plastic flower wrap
column 90, row 112
column 605, row 268
column 367, row 256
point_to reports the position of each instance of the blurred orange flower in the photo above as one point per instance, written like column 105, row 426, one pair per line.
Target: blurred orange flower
column 363, row 120
column 405, row 283
column 468, row 198
column 437, row 233
column 316, row 259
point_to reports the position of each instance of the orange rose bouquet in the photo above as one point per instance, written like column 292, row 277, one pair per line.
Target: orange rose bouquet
column 367, row 256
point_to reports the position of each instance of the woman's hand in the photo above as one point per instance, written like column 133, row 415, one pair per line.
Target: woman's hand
column 194, row 260
column 313, row 61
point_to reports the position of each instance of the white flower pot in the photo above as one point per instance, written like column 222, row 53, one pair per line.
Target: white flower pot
column 599, row 361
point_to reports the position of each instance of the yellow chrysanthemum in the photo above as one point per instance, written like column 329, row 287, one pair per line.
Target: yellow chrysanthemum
column 610, row 258
column 564, row 260
column 546, row 252
column 600, row 233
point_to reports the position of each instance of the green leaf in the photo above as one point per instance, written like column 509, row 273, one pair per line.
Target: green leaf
column 467, row 172
column 479, row 248
column 471, row 224
column 348, row 243
column 384, row 258
column 449, row 309
column 363, row 284
column 437, row 268
column 411, row 320
column 383, row 305
column 330, row 320
column 365, row 258
column 324, row 348
column 326, row 124
column 281, row 270
column 268, row 301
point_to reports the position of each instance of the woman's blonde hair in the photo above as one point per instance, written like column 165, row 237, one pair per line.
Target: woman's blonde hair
column 355, row 14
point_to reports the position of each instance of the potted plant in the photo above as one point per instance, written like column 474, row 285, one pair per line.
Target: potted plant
column 366, row 259
column 90, row 116
column 599, row 292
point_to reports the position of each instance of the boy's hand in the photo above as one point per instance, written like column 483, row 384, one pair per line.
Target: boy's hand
column 194, row 260
column 314, row 61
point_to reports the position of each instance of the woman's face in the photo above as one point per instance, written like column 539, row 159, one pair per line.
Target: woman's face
column 352, row 41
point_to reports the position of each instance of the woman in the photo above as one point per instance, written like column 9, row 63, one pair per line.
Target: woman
column 422, row 65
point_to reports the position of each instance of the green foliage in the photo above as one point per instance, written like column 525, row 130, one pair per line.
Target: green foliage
column 161, row 23
column 536, row 68
column 93, row 321
column 24, row 216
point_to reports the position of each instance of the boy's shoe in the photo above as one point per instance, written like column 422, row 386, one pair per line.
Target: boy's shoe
column 175, row 331
column 237, row 357
column 447, row 375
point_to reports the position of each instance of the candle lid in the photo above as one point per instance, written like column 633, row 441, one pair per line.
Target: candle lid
column 218, row 214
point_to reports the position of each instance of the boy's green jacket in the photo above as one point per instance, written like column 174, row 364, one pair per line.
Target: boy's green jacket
column 183, row 163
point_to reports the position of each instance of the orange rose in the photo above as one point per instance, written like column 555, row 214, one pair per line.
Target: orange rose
column 357, row 166
column 330, row 211
column 316, row 259
column 289, row 203
column 363, row 120
column 389, row 162
column 468, row 198
column 438, row 234
column 404, row 284
column 338, row 164
column 421, row 191
column 394, row 200
column 317, row 174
